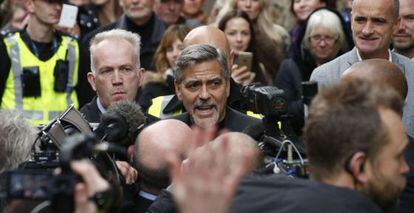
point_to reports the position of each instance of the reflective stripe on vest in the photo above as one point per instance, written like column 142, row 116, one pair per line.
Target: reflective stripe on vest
column 254, row 115
column 158, row 105
column 40, row 110
column 73, row 60
column 17, row 71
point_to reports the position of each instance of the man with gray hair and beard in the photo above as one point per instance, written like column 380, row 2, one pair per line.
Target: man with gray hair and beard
column 202, row 83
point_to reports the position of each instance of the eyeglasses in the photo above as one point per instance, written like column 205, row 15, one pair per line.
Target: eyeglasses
column 319, row 38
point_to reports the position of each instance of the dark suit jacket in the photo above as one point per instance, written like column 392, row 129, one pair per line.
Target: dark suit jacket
column 233, row 120
column 137, row 204
column 330, row 73
column 91, row 111
column 93, row 114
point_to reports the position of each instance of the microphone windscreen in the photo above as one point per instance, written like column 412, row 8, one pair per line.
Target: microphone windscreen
column 132, row 114
column 113, row 127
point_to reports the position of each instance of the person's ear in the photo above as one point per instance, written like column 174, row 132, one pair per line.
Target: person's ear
column 228, row 87
column 356, row 167
column 91, row 80
column 178, row 91
column 29, row 5
column 141, row 72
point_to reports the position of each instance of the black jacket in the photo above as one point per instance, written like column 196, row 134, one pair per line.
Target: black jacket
column 91, row 111
column 276, row 193
column 406, row 203
column 93, row 114
column 151, row 34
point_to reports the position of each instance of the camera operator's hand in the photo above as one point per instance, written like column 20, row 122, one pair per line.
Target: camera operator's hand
column 242, row 75
column 130, row 174
column 92, row 184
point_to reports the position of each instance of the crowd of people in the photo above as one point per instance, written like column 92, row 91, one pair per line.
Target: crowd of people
column 201, row 146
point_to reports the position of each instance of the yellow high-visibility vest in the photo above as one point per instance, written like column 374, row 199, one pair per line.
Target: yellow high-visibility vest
column 158, row 105
column 46, row 107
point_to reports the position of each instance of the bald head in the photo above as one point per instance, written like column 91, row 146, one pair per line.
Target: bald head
column 379, row 71
column 160, row 138
column 208, row 35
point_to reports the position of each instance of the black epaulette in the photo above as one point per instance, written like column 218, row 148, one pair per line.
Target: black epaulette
column 6, row 32
column 60, row 33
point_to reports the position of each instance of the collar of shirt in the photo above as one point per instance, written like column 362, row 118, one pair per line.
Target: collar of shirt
column 389, row 55
column 393, row 50
column 147, row 195
column 100, row 107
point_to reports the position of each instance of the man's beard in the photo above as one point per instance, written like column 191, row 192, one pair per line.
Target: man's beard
column 206, row 122
column 405, row 48
column 383, row 192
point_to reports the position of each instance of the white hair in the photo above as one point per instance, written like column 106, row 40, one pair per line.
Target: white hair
column 328, row 20
column 116, row 34
column 16, row 139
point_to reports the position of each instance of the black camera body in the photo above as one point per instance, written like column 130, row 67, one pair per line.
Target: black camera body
column 67, row 138
column 266, row 100
column 278, row 137
column 31, row 184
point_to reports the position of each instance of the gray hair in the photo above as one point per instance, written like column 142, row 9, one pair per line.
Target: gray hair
column 200, row 53
column 395, row 8
column 16, row 139
column 116, row 34
column 330, row 21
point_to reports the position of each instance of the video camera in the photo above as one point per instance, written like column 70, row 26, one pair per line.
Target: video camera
column 278, row 140
column 68, row 137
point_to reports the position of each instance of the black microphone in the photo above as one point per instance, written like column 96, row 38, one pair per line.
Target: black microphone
column 121, row 123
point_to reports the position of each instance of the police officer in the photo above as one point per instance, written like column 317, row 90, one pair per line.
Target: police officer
column 41, row 71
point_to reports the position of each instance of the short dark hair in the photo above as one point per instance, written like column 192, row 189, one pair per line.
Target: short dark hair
column 344, row 119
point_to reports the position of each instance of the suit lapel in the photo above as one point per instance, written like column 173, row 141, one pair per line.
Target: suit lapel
column 352, row 57
column 396, row 60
